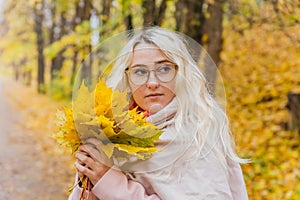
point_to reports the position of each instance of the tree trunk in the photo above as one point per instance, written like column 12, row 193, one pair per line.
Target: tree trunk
column 57, row 61
column 294, row 111
column 74, row 67
column 149, row 9
column 128, row 22
column 106, row 5
column 190, row 18
column 160, row 13
column 153, row 15
column 75, row 21
column 214, row 31
column 85, row 14
column 38, row 13
column 27, row 77
column 16, row 69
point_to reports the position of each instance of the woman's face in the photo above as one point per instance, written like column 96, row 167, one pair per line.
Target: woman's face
column 154, row 94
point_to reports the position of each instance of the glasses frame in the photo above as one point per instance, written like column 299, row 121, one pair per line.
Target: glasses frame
column 127, row 72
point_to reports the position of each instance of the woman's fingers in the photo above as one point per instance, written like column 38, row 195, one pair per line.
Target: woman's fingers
column 85, row 160
column 94, row 150
column 83, row 170
column 92, row 161
column 93, row 141
column 92, row 169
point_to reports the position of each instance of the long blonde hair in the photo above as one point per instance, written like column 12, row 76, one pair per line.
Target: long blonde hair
column 196, row 106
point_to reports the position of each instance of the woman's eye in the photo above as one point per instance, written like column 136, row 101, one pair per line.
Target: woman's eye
column 164, row 69
column 140, row 72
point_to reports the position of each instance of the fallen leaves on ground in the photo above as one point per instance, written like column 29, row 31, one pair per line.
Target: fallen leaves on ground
column 37, row 114
column 259, row 69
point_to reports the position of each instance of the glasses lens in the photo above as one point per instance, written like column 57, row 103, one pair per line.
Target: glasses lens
column 138, row 75
column 166, row 72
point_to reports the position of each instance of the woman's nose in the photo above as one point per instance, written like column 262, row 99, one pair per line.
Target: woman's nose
column 152, row 82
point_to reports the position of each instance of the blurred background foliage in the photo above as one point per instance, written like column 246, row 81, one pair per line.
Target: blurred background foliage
column 255, row 43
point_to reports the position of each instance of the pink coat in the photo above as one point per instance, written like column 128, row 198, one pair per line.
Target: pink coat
column 173, row 174
column 115, row 185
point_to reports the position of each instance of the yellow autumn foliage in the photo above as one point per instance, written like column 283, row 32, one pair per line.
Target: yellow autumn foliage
column 103, row 113
column 259, row 69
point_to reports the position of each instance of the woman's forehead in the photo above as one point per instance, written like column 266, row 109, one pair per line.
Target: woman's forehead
column 147, row 53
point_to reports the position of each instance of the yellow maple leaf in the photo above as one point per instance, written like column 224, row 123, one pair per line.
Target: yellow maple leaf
column 67, row 135
column 103, row 114
column 83, row 102
column 103, row 98
column 119, row 102
column 141, row 153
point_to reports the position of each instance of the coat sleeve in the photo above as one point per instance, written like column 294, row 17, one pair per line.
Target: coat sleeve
column 115, row 185
column 75, row 194
column 236, row 181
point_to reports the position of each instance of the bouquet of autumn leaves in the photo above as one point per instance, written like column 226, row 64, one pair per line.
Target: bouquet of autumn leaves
column 103, row 114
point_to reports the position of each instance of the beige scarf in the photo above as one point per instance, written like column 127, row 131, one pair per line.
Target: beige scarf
column 171, row 146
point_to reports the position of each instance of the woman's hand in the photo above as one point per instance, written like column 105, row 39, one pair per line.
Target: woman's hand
column 92, row 162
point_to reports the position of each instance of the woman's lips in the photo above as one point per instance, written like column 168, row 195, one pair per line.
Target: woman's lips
column 154, row 95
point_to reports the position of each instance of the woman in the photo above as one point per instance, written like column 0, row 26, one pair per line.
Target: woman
column 197, row 160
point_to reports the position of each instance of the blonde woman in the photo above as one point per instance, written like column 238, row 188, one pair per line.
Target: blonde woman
column 197, row 160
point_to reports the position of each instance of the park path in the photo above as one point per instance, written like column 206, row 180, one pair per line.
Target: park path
column 31, row 167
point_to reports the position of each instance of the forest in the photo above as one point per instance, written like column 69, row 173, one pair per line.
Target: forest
column 254, row 43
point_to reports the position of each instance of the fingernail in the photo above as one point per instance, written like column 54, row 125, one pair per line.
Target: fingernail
column 78, row 156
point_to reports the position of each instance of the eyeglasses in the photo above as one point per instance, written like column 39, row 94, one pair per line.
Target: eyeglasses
column 164, row 72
